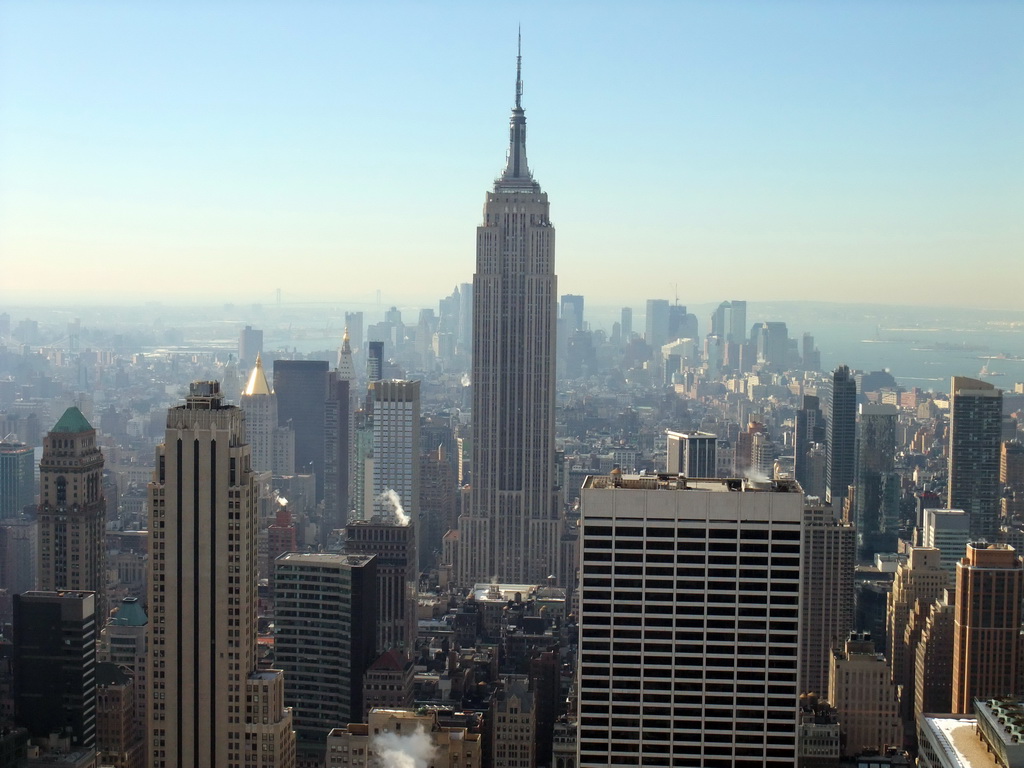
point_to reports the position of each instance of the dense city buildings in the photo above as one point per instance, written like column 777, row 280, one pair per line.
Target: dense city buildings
column 513, row 504
column 385, row 561
column 72, row 510
column 203, row 671
column 667, row 630
column 403, row 737
column 917, row 584
column 975, row 423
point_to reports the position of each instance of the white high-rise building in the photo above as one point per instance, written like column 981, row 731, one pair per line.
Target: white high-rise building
column 511, row 530
column 273, row 447
column 396, row 446
column 689, row 621
column 210, row 705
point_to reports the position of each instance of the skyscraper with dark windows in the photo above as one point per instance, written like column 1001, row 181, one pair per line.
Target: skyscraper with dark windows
column 810, row 429
column 689, row 614
column 876, row 500
column 301, row 389
column 841, row 437
column 512, row 528
column 55, row 665
column 975, row 422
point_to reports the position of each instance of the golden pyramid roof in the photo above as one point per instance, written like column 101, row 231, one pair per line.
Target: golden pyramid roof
column 257, row 384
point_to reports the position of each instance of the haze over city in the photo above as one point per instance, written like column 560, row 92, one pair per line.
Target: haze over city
column 862, row 152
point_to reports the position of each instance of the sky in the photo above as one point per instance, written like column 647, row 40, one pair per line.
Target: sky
column 858, row 151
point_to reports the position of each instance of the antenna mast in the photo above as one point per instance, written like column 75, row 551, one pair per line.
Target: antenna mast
column 519, row 71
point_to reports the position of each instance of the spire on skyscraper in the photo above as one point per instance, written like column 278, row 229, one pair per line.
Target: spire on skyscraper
column 257, row 384
column 346, row 368
column 517, row 172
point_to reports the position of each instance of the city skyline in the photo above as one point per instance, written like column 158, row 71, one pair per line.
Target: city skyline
column 769, row 141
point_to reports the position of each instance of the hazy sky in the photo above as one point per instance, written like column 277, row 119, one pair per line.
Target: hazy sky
column 214, row 151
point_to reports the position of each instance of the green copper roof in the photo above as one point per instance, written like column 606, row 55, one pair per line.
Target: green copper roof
column 130, row 614
column 72, row 421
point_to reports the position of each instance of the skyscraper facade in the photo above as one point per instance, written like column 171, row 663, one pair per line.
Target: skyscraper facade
column 301, row 389
column 810, row 429
column 830, row 559
column 325, row 636
column 17, row 478
column 72, row 510
column 260, row 407
column 250, row 345
column 876, row 498
column 396, row 446
column 986, row 624
column 55, row 664
column 202, row 668
column 841, row 437
column 689, row 622
column 393, row 543
column 691, row 454
column 511, row 531
column 657, row 322
column 338, row 425
column 975, row 420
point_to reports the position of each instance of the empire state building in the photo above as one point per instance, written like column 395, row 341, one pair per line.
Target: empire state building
column 511, row 531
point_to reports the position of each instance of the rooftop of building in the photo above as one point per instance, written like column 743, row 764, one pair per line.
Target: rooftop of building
column 1006, row 716
column 957, row 737
column 72, row 422
column 322, row 558
column 495, row 592
column 392, row 661
column 616, row 480
column 129, row 614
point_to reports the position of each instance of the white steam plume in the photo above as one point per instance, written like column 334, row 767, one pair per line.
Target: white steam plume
column 393, row 500
column 757, row 477
column 396, row 751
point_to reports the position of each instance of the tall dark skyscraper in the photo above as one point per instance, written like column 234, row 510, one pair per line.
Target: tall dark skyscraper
column 876, row 500
column 975, row 421
column 512, row 528
column 810, row 429
column 841, row 437
column 301, row 389
column 55, row 664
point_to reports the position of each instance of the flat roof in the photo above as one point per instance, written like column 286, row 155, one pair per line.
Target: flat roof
column 959, row 741
column 322, row 558
column 669, row 482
